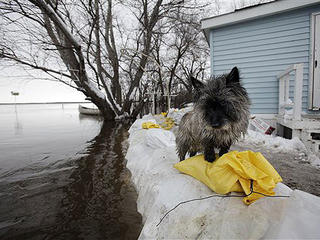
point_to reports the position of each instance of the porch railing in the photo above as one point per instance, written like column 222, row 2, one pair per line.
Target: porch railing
column 284, row 100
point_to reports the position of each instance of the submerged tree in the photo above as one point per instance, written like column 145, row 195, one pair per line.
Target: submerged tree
column 90, row 46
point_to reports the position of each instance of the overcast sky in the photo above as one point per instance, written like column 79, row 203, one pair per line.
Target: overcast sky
column 34, row 89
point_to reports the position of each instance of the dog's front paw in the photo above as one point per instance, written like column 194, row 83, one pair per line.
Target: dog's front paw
column 210, row 157
column 221, row 152
column 224, row 150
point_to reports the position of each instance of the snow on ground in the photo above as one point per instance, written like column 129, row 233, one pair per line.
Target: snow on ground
column 274, row 143
column 314, row 160
column 279, row 144
column 151, row 156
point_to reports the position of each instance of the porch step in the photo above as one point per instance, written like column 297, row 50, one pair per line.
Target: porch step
column 305, row 123
column 311, row 134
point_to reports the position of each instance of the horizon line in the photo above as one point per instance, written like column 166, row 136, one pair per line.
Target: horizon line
column 44, row 103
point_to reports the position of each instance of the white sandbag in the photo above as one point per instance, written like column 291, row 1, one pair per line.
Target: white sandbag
column 300, row 218
column 159, row 138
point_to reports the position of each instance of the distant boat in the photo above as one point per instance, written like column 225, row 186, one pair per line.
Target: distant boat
column 89, row 110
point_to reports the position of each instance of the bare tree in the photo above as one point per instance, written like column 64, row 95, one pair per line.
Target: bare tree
column 238, row 4
column 79, row 43
column 180, row 48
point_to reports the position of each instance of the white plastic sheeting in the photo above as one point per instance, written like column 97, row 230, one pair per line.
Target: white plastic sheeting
column 151, row 156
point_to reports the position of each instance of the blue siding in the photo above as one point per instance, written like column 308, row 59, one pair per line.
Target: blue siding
column 262, row 49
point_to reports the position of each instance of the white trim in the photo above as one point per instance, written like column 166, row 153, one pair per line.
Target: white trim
column 298, row 84
column 311, row 70
column 211, row 53
column 255, row 12
column 286, row 72
column 310, row 89
column 267, row 116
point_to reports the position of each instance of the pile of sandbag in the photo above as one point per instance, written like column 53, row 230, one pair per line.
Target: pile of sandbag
column 151, row 157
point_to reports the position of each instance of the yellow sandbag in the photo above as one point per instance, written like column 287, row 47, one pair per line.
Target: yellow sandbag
column 233, row 172
column 167, row 124
column 147, row 125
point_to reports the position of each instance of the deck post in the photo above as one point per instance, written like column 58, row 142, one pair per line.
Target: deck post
column 298, row 92
column 281, row 96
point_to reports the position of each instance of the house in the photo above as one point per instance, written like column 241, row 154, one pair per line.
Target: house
column 276, row 46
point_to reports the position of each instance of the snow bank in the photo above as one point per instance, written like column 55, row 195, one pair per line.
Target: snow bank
column 277, row 144
column 151, row 156
column 314, row 160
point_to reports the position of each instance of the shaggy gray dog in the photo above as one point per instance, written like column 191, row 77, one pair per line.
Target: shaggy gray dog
column 220, row 116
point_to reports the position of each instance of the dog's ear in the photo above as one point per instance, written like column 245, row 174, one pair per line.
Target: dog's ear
column 233, row 76
column 196, row 83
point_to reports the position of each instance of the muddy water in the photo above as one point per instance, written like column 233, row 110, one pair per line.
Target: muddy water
column 63, row 176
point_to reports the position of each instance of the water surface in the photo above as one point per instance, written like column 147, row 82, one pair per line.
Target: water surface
column 63, row 176
column 30, row 134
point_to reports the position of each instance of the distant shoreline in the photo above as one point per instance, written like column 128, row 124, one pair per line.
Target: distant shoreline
column 42, row 103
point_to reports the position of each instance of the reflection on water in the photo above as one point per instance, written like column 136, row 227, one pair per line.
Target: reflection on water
column 68, row 197
column 17, row 125
column 100, row 202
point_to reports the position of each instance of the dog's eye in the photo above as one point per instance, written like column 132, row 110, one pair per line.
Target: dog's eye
column 223, row 103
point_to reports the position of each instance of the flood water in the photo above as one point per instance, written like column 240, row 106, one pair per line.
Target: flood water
column 63, row 175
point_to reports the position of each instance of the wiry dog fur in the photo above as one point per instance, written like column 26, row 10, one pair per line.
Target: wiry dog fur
column 220, row 116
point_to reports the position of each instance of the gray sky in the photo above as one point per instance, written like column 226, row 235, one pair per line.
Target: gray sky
column 33, row 88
